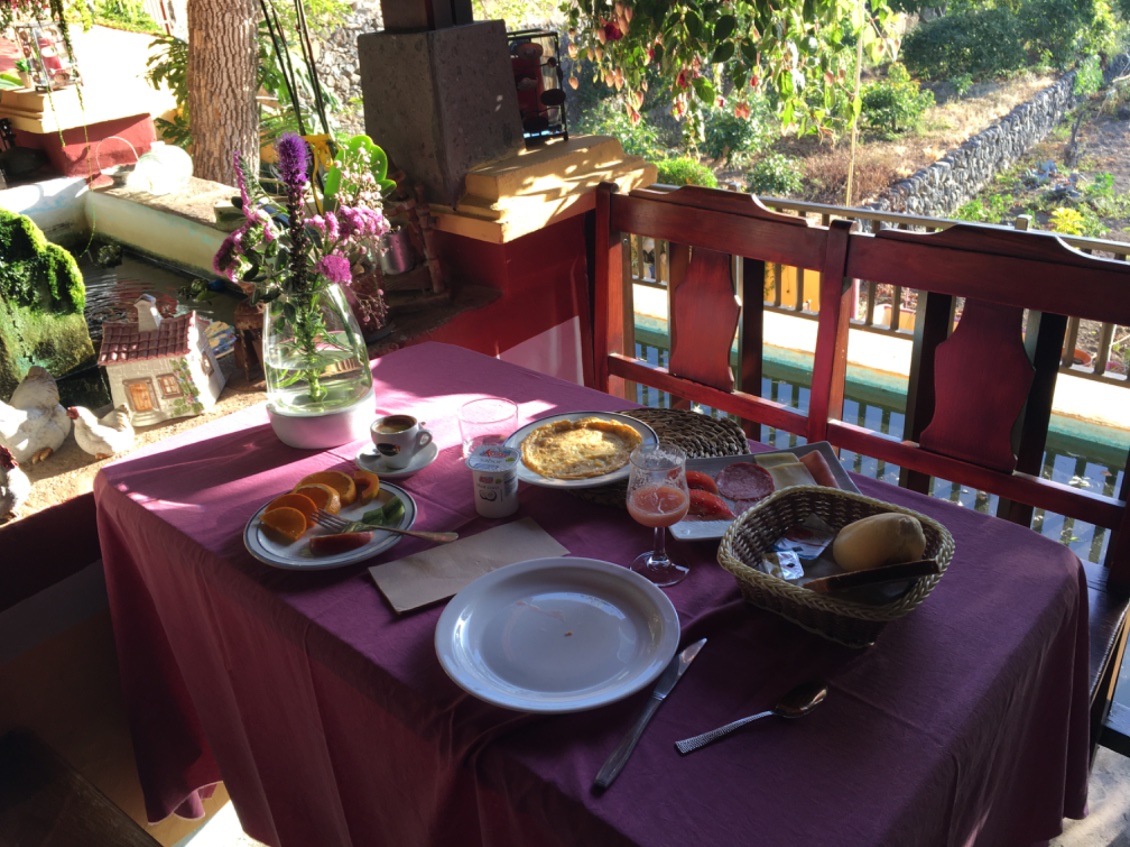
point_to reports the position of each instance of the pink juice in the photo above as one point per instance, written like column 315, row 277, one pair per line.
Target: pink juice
column 658, row 505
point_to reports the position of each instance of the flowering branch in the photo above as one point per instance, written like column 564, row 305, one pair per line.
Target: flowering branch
column 710, row 53
column 293, row 258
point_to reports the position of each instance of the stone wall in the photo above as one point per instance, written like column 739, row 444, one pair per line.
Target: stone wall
column 337, row 63
column 958, row 176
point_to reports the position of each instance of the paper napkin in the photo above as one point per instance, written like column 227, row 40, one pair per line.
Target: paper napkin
column 442, row 571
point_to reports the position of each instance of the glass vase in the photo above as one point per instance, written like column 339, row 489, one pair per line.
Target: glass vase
column 319, row 386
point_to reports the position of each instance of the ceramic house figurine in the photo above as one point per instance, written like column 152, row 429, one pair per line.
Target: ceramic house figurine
column 160, row 367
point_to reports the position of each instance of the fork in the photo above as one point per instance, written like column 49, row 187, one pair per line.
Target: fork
column 338, row 524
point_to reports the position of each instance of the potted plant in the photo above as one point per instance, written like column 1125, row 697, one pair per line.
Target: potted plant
column 319, row 386
column 23, row 70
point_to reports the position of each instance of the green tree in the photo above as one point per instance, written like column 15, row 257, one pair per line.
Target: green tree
column 800, row 53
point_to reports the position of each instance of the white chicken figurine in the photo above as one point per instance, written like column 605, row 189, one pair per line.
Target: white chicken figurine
column 14, row 486
column 102, row 437
column 33, row 424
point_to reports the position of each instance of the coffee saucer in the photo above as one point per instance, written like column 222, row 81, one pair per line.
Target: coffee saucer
column 368, row 459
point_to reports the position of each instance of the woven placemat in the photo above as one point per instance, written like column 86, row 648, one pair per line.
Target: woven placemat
column 701, row 436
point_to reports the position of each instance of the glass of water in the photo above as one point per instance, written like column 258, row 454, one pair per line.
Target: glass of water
column 488, row 420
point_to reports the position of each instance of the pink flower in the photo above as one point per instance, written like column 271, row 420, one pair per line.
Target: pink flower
column 335, row 268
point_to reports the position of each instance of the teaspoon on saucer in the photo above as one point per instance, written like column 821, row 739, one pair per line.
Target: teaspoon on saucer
column 795, row 704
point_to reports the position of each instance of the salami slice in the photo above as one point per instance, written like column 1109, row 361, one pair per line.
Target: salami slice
column 744, row 481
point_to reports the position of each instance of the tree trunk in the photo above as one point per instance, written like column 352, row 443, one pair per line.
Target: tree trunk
column 222, row 66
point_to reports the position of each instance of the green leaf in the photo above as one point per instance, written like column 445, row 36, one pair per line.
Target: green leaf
column 704, row 89
column 725, row 27
column 723, row 53
column 378, row 165
column 695, row 27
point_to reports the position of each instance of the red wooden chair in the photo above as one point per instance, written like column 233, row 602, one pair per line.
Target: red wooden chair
column 980, row 390
column 708, row 230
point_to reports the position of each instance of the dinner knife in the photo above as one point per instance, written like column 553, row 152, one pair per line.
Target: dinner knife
column 671, row 675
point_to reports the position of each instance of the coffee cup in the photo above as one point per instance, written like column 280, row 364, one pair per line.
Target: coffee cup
column 398, row 438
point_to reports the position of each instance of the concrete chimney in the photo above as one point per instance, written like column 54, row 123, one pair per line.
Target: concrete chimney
column 148, row 318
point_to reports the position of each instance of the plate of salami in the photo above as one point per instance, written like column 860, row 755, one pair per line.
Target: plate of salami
column 724, row 487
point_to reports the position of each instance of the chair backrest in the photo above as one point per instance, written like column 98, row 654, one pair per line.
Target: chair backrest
column 990, row 326
column 710, row 231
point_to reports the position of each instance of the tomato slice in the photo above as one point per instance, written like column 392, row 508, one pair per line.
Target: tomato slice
column 701, row 481
column 709, row 506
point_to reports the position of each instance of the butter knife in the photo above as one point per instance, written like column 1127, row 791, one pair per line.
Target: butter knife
column 671, row 675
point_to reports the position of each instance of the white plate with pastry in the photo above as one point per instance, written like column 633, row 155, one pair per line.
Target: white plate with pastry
column 578, row 449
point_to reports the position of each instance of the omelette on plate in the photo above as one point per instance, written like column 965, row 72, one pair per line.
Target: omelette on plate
column 580, row 449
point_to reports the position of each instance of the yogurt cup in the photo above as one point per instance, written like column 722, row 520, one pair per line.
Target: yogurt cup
column 494, row 471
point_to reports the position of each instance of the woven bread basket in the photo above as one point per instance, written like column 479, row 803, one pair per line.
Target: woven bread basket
column 854, row 624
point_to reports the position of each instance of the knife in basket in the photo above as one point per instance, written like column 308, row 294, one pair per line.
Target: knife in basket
column 671, row 675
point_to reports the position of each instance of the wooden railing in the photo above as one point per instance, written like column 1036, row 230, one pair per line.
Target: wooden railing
column 889, row 310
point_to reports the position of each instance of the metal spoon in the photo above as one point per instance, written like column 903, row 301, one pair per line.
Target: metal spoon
column 795, row 704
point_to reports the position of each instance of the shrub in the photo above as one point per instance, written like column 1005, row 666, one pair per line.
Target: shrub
column 685, row 171
column 737, row 140
column 976, row 41
column 1058, row 31
column 777, row 176
column 1081, row 221
column 961, row 84
column 1088, row 76
column 894, row 105
column 125, row 14
column 994, row 209
column 608, row 117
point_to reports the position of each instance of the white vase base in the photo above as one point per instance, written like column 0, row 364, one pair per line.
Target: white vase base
column 326, row 429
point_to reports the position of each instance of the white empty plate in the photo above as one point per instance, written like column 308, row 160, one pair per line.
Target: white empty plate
column 557, row 635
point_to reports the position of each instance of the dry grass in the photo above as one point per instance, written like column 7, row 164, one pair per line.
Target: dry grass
column 881, row 163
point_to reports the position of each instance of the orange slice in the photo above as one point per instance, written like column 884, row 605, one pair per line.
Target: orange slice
column 325, row 498
column 295, row 501
column 368, row 485
column 284, row 523
column 340, row 481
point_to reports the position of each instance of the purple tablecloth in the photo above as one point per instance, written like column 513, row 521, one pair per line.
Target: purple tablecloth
column 330, row 721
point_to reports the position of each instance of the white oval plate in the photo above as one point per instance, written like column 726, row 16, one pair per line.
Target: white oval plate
column 693, row 529
column 527, row 475
column 296, row 555
column 557, row 635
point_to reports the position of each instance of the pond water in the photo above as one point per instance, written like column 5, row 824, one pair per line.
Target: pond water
column 111, row 292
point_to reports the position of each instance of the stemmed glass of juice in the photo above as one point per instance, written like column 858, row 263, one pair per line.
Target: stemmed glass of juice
column 657, row 497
